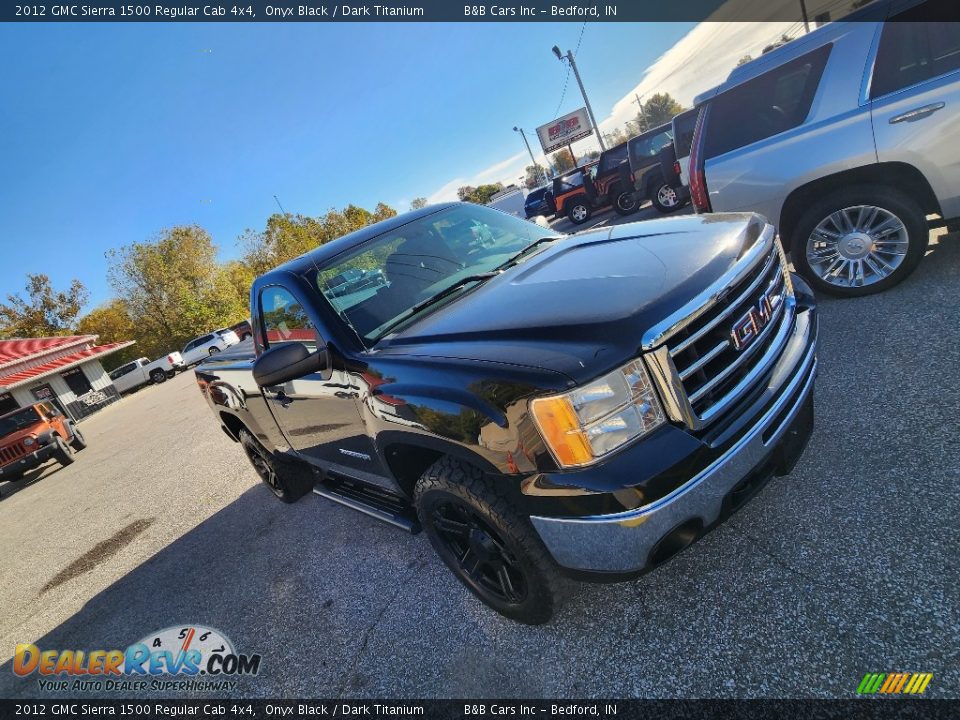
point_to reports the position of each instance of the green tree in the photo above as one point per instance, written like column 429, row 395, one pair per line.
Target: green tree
column 744, row 60
column 420, row 202
column 534, row 175
column 288, row 236
column 481, row 194
column 617, row 137
column 173, row 288
column 562, row 160
column 112, row 323
column 658, row 110
column 44, row 311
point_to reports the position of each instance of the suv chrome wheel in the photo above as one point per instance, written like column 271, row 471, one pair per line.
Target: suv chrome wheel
column 578, row 213
column 857, row 246
column 668, row 196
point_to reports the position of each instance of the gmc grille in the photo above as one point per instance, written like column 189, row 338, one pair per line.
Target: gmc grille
column 12, row 452
column 714, row 359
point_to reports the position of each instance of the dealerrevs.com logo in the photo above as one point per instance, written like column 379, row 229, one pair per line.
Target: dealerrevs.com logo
column 185, row 657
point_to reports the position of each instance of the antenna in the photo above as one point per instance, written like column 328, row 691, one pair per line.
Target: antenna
column 279, row 205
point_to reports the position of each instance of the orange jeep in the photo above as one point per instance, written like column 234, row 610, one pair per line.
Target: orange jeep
column 34, row 434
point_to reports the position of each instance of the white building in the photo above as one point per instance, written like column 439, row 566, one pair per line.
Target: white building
column 63, row 370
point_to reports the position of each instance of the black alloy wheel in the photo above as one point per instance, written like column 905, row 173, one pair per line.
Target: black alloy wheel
column 483, row 561
column 284, row 482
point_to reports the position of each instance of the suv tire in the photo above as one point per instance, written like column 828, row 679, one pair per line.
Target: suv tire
column 624, row 203
column 866, row 211
column 78, row 442
column 578, row 210
column 665, row 198
column 63, row 452
column 289, row 484
column 490, row 547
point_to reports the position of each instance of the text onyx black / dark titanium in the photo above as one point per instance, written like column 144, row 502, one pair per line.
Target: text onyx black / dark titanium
column 543, row 407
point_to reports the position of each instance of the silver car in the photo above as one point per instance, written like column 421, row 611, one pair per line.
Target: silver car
column 846, row 139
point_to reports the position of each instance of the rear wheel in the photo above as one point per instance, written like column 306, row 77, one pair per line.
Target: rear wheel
column 665, row 198
column 287, row 483
column 578, row 210
column 860, row 240
column 158, row 376
column 63, row 452
column 624, row 203
column 493, row 550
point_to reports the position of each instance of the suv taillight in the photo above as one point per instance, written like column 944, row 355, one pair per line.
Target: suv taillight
column 698, row 180
column 170, row 359
column 676, row 168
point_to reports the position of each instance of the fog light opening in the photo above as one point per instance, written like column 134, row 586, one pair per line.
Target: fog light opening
column 676, row 540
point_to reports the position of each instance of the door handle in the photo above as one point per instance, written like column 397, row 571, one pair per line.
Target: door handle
column 918, row 113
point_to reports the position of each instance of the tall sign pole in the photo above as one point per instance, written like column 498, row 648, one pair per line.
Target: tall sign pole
column 586, row 101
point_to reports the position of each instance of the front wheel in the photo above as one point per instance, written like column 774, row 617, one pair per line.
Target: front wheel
column 63, row 452
column 579, row 211
column 860, row 240
column 666, row 199
column 493, row 550
column 213, row 351
column 284, row 482
column 78, row 442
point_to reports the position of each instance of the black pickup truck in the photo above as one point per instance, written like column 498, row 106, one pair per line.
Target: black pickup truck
column 543, row 407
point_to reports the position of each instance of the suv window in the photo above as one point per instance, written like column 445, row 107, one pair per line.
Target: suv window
column 611, row 158
column 767, row 105
column 284, row 319
column 644, row 150
column 911, row 52
column 683, row 127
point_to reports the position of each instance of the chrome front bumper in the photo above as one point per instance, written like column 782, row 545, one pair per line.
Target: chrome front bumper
column 623, row 542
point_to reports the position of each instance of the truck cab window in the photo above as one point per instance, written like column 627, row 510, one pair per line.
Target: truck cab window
column 284, row 319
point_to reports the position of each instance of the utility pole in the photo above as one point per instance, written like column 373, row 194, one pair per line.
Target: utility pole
column 586, row 101
column 642, row 113
column 536, row 167
column 806, row 20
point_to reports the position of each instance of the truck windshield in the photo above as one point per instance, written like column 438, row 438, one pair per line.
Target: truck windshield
column 18, row 420
column 377, row 285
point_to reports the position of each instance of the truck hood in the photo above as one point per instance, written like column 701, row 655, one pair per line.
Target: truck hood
column 18, row 435
column 582, row 306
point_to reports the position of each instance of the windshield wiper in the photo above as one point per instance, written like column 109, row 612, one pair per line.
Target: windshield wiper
column 433, row 299
column 516, row 258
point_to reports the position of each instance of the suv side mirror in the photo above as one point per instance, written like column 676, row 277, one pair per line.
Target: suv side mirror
column 287, row 362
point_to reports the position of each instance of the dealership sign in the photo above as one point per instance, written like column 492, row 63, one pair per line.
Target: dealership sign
column 563, row 131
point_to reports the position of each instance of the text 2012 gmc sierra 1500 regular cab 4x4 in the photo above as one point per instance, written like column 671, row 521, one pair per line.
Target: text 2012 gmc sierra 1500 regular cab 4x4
column 542, row 407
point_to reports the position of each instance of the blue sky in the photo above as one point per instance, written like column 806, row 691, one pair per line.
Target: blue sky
column 110, row 132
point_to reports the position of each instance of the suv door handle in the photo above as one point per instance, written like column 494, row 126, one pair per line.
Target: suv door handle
column 918, row 113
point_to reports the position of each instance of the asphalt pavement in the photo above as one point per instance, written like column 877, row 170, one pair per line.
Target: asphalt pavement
column 847, row 566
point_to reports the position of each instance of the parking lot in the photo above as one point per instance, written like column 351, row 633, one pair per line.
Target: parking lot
column 847, row 566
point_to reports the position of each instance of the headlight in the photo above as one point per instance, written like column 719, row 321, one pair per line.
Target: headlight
column 28, row 441
column 583, row 425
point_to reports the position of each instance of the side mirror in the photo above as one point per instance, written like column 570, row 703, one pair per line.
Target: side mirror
column 287, row 362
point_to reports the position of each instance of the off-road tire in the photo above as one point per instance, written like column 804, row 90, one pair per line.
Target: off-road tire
column 655, row 191
column 63, row 452
column 78, row 442
column 287, row 482
column 624, row 203
column 887, row 198
column 450, row 482
column 576, row 215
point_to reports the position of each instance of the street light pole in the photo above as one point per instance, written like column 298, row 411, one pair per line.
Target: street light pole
column 536, row 167
column 586, row 101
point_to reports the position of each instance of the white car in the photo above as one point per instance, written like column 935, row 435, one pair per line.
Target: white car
column 201, row 348
column 141, row 371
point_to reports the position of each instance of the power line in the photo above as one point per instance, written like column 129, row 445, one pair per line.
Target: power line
column 566, row 79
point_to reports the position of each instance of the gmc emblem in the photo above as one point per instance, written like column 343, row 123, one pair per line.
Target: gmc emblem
column 748, row 327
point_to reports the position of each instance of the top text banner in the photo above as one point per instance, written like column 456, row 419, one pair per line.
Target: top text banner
column 813, row 12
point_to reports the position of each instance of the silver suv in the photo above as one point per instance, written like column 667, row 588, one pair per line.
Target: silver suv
column 846, row 139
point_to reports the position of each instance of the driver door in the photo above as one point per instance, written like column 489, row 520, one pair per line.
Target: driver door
column 318, row 413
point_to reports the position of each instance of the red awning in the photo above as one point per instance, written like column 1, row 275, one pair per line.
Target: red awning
column 16, row 351
column 62, row 363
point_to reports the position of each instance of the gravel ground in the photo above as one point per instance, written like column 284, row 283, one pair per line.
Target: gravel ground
column 849, row 565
